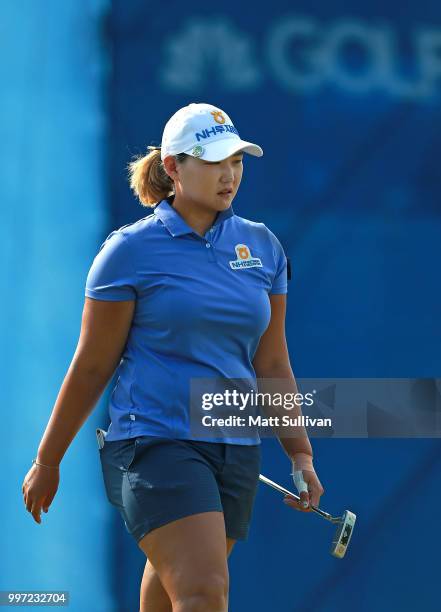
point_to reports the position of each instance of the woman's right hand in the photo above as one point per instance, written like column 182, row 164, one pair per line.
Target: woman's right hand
column 39, row 488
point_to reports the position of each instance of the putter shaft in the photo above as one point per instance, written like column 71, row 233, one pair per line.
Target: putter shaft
column 325, row 515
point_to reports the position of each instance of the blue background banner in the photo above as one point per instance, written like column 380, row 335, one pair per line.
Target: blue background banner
column 345, row 104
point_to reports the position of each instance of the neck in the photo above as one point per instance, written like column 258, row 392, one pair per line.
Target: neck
column 199, row 218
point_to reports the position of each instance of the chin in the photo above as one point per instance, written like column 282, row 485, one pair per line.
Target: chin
column 224, row 203
column 224, row 207
column 217, row 203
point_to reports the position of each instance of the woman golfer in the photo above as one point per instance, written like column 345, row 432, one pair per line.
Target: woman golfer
column 191, row 291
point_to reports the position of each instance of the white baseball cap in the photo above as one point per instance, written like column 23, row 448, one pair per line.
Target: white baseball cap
column 203, row 131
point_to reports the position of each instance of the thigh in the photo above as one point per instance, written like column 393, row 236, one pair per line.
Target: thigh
column 189, row 553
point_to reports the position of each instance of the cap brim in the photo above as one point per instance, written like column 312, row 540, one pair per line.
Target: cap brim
column 221, row 149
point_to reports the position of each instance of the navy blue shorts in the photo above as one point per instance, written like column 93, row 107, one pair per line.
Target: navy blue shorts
column 153, row 481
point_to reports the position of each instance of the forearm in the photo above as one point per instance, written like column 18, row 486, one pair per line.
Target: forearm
column 76, row 399
column 292, row 446
column 293, row 440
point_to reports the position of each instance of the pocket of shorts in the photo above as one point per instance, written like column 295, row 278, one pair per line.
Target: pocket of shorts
column 127, row 453
column 119, row 453
column 116, row 458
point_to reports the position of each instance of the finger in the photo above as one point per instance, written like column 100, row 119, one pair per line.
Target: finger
column 34, row 508
column 45, row 504
column 294, row 503
column 299, row 481
column 24, row 487
column 29, row 503
column 304, row 499
column 315, row 498
column 49, row 499
column 315, row 493
column 36, row 512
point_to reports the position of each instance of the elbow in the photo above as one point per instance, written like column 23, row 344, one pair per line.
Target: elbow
column 92, row 371
column 279, row 369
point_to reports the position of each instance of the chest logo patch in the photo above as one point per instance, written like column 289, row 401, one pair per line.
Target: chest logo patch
column 244, row 259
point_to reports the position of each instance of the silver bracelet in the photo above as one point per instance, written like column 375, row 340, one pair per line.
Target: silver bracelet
column 54, row 467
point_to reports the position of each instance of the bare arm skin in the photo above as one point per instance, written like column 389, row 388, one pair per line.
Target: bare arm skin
column 104, row 330
column 272, row 361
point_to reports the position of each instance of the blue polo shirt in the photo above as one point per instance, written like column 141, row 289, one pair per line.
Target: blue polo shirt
column 201, row 307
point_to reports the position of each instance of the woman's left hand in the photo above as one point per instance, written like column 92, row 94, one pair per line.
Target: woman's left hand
column 311, row 497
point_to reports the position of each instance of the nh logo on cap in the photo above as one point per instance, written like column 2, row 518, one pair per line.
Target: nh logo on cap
column 244, row 259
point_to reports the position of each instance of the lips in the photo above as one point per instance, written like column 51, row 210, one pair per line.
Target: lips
column 225, row 191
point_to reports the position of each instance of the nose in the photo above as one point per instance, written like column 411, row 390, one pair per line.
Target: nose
column 228, row 174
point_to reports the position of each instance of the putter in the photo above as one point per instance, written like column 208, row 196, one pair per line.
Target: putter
column 345, row 523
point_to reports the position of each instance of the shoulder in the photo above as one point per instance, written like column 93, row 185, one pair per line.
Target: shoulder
column 253, row 226
column 259, row 229
column 132, row 232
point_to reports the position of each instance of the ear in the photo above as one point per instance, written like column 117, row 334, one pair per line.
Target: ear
column 171, row 167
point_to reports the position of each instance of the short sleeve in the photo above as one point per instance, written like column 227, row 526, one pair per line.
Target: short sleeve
column 112, row 275
column 280, row 279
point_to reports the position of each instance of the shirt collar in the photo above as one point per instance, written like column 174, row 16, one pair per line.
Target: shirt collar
column 176, row 224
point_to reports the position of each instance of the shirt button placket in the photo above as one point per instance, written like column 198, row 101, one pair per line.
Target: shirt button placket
column 210, row 250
